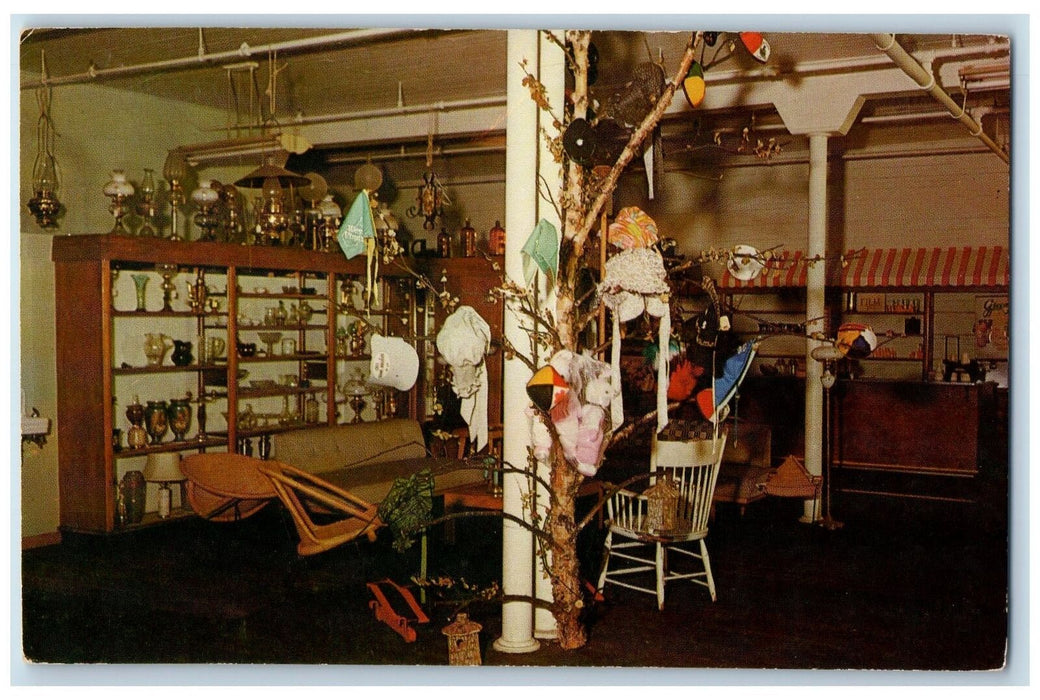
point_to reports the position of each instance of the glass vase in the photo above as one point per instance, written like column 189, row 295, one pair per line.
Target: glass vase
column 140, row 284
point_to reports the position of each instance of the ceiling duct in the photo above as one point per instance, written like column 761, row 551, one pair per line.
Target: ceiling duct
column 926, row 81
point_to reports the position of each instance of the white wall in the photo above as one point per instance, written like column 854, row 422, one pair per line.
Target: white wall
column 99, row 129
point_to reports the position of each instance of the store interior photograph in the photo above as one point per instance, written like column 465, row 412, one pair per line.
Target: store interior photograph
column 634, row 346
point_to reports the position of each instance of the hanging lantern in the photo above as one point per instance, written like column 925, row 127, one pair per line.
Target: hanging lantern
column 662, row 505
column 273, row 215
column 44, row 204
column 463, row 641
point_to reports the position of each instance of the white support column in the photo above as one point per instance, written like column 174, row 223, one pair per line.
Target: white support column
column 521, row 210
column 552, row 74
column 815, row 308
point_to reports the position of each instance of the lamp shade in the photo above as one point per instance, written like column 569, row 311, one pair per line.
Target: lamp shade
column 269, row 171
column 163, row 466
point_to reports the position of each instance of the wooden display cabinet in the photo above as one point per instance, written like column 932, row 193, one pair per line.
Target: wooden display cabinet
column 102, row 367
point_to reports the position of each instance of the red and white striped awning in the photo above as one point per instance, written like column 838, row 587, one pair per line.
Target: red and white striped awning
column 967, row 266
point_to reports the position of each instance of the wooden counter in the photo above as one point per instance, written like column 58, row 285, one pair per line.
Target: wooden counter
column 913, row 427
column 885, row 425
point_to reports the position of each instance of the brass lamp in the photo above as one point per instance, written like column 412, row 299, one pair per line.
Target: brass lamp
column 146, row 208
column 175, row 170
column 357, row 390
column 206, row 199
column 119, row 190
column 164, row 468
column 273, row 217
column 330, row 214
column 44, row 204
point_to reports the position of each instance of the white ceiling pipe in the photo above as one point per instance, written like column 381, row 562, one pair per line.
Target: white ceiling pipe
column 406, row 155
column 442, row 106
column 845, row 65
column 244, row 51
column 926, row 81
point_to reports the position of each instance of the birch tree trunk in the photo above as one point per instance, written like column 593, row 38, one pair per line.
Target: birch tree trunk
column 578, row 220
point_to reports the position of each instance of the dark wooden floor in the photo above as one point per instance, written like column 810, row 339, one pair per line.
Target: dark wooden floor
column 904, row 585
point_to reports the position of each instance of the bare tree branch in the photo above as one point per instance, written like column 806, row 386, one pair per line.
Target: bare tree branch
column 637, row 138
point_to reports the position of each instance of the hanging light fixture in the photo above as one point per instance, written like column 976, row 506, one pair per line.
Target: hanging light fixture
column 44, row 204
column 272, row 217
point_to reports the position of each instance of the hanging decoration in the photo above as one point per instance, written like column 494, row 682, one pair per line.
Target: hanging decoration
column 693, row 85
column 357, row 235
column 464, row 341
column 432, row 197
column 632, row 103
column 756, row 45
column 746, row 263
column 634, row 282
column 44, row 204
column 632, row 228
column 541, row 252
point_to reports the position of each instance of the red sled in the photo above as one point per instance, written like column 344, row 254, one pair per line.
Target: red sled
column 385, row 611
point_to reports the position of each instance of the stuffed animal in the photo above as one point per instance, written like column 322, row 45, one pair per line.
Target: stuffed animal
column 580, row 420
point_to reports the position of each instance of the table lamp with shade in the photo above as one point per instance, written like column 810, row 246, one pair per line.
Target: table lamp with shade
column 356, row 390
column 164, row 468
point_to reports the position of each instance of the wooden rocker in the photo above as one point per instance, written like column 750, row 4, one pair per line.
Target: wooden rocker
column 225, row 487
column 325, row 516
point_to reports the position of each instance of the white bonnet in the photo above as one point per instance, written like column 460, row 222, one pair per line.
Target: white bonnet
column 634, row 280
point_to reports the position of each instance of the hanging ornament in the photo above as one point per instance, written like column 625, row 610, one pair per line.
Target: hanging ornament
column 756, row 45
column 431, row 200
column 856, row 340
column 693, row 84
column 579, row 141
column 745, row 263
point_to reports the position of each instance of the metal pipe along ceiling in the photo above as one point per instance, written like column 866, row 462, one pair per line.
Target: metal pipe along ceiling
column 243, row 51
column 926, row 81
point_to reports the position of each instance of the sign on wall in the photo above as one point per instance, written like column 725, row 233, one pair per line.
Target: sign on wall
column 991, row 326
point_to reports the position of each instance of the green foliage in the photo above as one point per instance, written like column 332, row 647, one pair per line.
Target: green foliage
column 408, row 507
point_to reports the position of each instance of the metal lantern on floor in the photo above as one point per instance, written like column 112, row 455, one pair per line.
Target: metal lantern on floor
column 463, row 641
column 662, row 503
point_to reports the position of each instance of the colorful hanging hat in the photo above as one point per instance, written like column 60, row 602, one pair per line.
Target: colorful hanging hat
column 693, row 84
column 394, row 363
column 632, row 228
column 634, row 281
column 856, row 340
column 756, row 45
column 713, row 401
column 547, row 388
column 541, row 252
column 745, row 263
